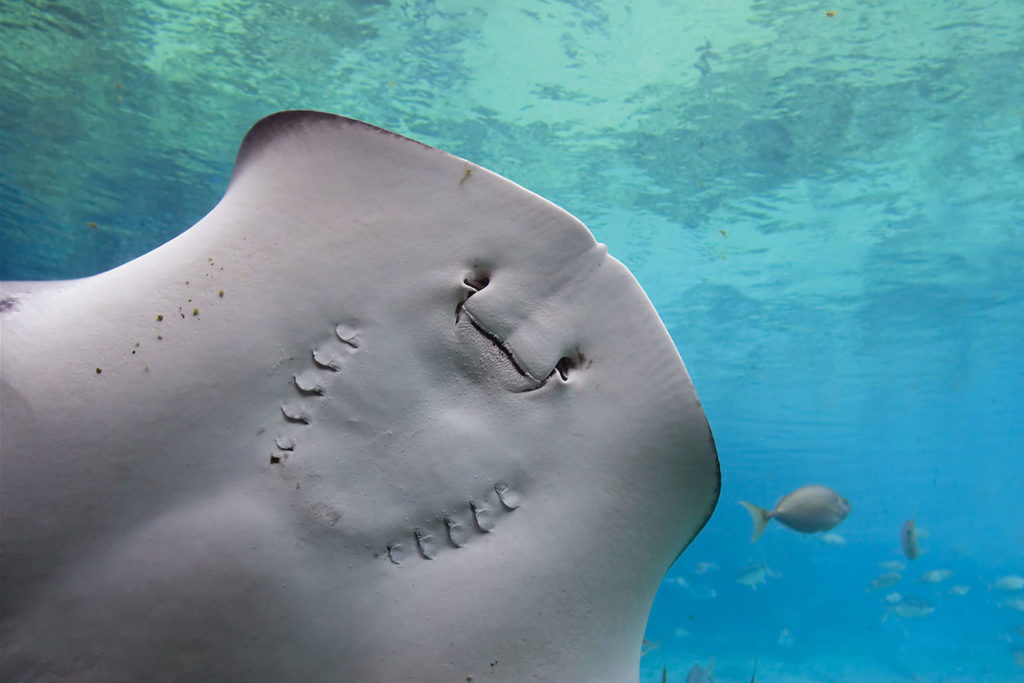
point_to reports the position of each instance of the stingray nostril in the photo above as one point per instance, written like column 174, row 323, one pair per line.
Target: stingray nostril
column 563, row 366
column 567, row 363
column 477, row 280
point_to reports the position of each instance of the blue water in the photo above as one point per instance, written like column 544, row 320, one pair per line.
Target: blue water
column 824, row 201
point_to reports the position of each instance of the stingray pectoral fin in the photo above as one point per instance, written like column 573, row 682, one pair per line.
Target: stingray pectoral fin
column 760, row 516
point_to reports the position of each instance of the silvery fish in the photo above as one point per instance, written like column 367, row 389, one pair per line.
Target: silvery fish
column 704, row 567
column 936, row 575
column 753, row 575
column 885, row 581
column 834, row 539
column 808, row 509
column 1016, row 603
column 1009, row 583
column 959, row 590
column 908, row 539
column 913, row 608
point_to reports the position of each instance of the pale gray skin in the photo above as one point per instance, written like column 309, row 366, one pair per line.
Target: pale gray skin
column 382, row 415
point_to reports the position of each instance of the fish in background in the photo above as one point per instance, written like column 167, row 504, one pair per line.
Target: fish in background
column 908, row 539
column 936, row 575
column 755, row 574
column 704, row 567
column 1008, row 583
column 886, row 580
column 959, row 589
column 910, row 608
column 1015, row 604
column 892, row 565
column 834, row 539
column 808, row 509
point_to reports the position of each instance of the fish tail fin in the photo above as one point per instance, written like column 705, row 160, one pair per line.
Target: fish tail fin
column 760, row 516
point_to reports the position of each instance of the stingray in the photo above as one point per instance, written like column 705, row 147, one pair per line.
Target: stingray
column 381, row 415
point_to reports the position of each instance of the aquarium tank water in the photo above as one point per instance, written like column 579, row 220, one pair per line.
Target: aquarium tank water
column 824, row 201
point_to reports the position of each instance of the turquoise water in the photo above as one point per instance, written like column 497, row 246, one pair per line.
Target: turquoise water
column 827, row 210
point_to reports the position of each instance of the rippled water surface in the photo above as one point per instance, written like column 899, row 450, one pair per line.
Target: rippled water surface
column 824, row 201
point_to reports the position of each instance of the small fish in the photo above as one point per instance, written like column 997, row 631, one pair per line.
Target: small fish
column 936, row 575
column 699, row 674
column 834, row 539
column 885, row 581
column 908, row 539
column 1009, row 583
column 893, row 598
column 704, row 567
column 753, row 575
column 892, row 565
column 808, row 509
column 913, row 608
column 959, row 589
column 1016, row 604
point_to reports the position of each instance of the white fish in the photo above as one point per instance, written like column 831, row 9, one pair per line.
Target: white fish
column 892, row 565
column 679, row 581
column 959, row 589
column 885, row 581
column 834, row 539
column 893, row 598
column 1009, row 583
column 808, row 509
column 753, row 575
column 704, row 567
column 1016, row 604
column 936, row 575
column 912, row 608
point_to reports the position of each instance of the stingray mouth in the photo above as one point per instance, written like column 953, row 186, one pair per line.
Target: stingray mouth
column 493, row 355
column 525, row 381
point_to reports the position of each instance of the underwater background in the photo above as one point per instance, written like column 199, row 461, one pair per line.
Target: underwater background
column 824, row 201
